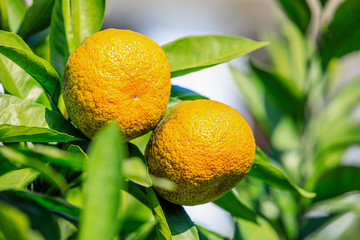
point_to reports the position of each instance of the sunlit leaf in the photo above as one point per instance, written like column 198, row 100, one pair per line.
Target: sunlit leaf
column 143, row 232
column 135, row 170
column 162, row 227
column 193, row 53
column 18, row 179
column 37, row 18
column 251, row 231
column 102, row 185
column 12, row 46
column 17, row 158
column 337, row 39
column 298, row 11
column 14, row 224
column 12, row 13
column 22, row 121
column 41, row 219
column 264, row 171
column 184, row 93
column 232, row 204
column 87, row 18
column 206, row 234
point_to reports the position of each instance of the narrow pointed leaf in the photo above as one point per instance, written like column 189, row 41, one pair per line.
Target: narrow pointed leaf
column 59, row 47
column 298, row 11
column 184, row 93
column 232, row 204
column 206, row 234
column 12, row 13
column 264, row 171
column 87, row 17
column 337, row 181
column 12, row 46
column 41, row 219
column 37, row 18
column 339, row 40
column 22, row 121
column 15, row 224
column 102, row 185
column 193, row 53
column 18, row 179
column 162, row 226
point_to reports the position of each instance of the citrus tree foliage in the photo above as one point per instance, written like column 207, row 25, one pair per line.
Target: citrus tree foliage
column 57, row 184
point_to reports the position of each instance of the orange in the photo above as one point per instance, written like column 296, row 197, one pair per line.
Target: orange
column 205, row 147
column 117, row 75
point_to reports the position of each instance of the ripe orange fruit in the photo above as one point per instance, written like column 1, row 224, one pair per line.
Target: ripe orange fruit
column 205, row 147
column 117, row 75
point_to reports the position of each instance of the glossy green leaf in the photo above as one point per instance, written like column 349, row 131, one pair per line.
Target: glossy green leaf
column 252, row 231
column 264, row 171
column 37, row 18
column 12, row 46
column 15, row 224
column 135, row 170
column 18, row 83
column 41, row 219
column 143, row 232
column 22, row 121
column 19, row 159
column 206, row 234
column 184, row 93
column 48, row 154
column 18, row 179
column 193, row 53
column 87, row 18
column 137, row 192
column 172, row 102
column 59, row 47
column 181, row 226
column 12, row 13
column 5, row 166
column 283, row 92
column 232, row 204
column 162, row 226
column 338, row 40
column 57, row 206
column 298, row 11
column 102, row 185
column 337, row 181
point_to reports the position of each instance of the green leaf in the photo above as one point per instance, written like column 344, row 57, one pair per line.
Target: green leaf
column 298, row 11
column 272, row 176
column 18, row 179
column 284, row 92
column 18, row 83
column 12, row 46
column 22, row 121
column 206, row 234
column 338, row 40
column 135, row 170
column 37, row 18
column 12, row 13
column 48, row 154
column 15, row 224
column 184, row 93
column 232, row 204
column 40, row 218
column 143, row 232
column 252, row 231
column 337, row 181
column 181, row 226
column 59, row 47
column 193, row 53
column 102, row 185
column 5, row 166
column 57, row 206
column 19, row 159
column 87, row 18
column 162, row 227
